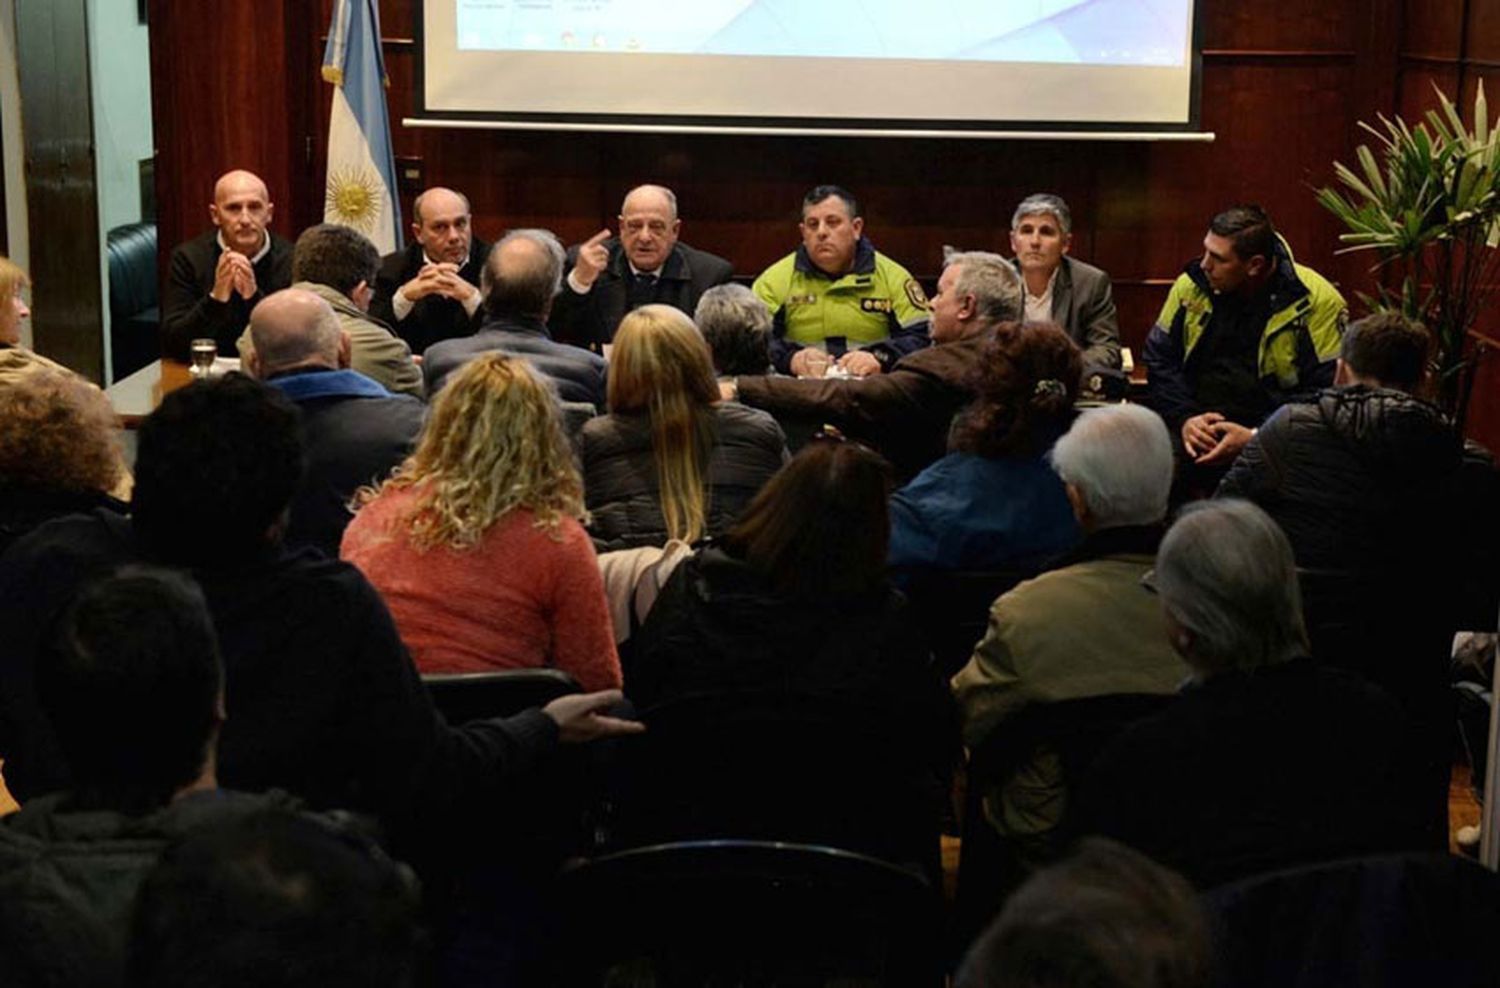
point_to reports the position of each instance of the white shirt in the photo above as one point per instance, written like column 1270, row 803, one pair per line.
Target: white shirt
column 265, row 245
column 402, row 306
column 1039, row 307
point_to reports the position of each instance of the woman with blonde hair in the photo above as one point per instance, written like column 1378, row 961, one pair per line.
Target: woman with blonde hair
column 670, row 460
column 13, row 309
column 476, row 541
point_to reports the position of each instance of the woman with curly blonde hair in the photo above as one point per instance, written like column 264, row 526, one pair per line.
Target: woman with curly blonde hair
column 476, row 541
column 670, row 460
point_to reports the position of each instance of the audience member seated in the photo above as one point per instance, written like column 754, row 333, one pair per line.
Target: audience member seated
column 476, row 542
column 836, row 300
column 907, row 411
column 994, row 502
column 215, row 280
column 133, row 658
column 1087, row 627
column 14, row 358
column 1267, row 759
column 277, row 899
column 355, row 431
column 646, row 264
column 792, row 612
column 520, row 281
column 338, row 264
column 1108, row 917
column 737, row 326
column 323, row 698
column 670, row 460
column 1061, row 289
column 1243, row 330
column 59, row 451
column 430, row 291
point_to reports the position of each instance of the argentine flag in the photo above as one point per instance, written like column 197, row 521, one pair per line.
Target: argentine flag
column 361, row 187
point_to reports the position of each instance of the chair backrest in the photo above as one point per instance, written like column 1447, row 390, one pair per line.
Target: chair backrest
column 467, row 696
column 747, row 912
column 952, row 608
column 132, row 269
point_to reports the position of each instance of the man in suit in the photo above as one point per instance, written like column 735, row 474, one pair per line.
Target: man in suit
column 609, row 276
column 215, row 279
column 1059, row 288
column 430, row 290
column 520, row 280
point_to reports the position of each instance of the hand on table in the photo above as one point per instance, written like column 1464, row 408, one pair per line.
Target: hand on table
column 860, row 363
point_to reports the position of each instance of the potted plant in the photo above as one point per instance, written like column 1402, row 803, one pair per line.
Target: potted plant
column 1427, row 201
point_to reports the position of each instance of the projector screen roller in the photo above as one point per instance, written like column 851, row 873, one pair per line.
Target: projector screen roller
column 838, row 64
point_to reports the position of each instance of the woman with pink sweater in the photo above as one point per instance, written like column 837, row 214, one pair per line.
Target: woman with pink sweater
column 476, row 541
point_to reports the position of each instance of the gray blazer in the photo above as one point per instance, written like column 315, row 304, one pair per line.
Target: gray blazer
column 1084, row 305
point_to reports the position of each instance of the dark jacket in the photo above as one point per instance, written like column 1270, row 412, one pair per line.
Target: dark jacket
column 590, row 320
column 578, row 374
column 188, row 313
column 1246, row 772
column 435, row 317
column 622, row 489
column 905, row 412
column 355, row 432
column 23, row 509
column 1083, row 304
column 68, row 880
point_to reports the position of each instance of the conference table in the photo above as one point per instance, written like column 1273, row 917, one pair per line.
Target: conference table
column 136, row 396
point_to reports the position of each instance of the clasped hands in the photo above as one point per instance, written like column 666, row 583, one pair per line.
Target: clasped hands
column 441, row 278
column 812, row 362
column 234, row 273
column 1210, row 438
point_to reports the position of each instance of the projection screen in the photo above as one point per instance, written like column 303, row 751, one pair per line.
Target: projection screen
column 821, row 65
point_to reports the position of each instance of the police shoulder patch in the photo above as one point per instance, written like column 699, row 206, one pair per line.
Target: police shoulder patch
column 915, row 294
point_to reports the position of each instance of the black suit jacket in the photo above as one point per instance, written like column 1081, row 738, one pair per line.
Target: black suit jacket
column 590, row 320
column 577, row 374
column 188, row 313
column 435, row 317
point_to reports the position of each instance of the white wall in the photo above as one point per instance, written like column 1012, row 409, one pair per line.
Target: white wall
column 120, row 67
column 13, row 165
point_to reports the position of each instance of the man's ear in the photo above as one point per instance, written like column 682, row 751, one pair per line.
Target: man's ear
column 1077, row 500
column 1067, row 242
column 252, row 365
column 1257, row 266
column 345, row 348
column 1342, row 375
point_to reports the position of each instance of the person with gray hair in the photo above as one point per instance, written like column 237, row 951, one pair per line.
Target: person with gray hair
column 521, row 279
column 1086, row 627
column 338, row 264
column 355, row 430
column 1266, row 759
column 906, row 411
column 1062, row 289
column 737, row 326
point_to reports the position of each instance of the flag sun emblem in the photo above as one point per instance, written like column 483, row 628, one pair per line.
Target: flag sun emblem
column 353, row 198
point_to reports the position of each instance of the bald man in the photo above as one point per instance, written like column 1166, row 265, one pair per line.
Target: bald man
column 215, row 280
column 430, row 291
column 355, row 430
column 611, row 274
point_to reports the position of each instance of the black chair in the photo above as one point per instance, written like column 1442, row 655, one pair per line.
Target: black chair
column 743, row 913
column 466, row 696
column 134, row 315
column 952, row 608
column 991, row 867
column 1380, row 922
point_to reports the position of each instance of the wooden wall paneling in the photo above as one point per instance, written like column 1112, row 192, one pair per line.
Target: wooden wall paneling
column 1431, row 29
column 1248, row 27
column 1484, row 32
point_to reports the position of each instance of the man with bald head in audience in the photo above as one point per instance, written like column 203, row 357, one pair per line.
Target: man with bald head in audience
column 215, row 280
column 612, row 274
column 355, row 430
column 520, row 280
column 430, row 291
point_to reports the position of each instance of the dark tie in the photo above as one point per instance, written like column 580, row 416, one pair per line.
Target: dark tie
column 642, row 290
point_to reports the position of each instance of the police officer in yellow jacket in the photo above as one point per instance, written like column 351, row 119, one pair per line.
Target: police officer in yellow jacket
column 837, row 298
column 1243, row 330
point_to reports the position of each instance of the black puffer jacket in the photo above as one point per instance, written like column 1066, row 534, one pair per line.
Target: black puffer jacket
column 621, row 485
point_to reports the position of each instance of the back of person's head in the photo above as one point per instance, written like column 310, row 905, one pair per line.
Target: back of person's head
column 1024, row 386
column 276, row 898
column 216, row 466
column 1039, row 203
column 820, row 526
column 57, row 434
column 737, row 325
column 1227, row 578
column 522, row 274
column 293, row 328
column 1119, row 458
column 1249, row 229
column 337, row 256
column 660, row 366
column 131, row 682
column 1387, row 348
column 493, row 443
column 1106, row 917
column 999, row 295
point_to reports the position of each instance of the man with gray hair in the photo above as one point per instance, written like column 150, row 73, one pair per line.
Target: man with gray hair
column 737, row 326
column 610, row 275
column 1086, row 627
column 1062, row 289
column 906, row 411
column 355, row 430
column 520, row 280
column 1266, row 759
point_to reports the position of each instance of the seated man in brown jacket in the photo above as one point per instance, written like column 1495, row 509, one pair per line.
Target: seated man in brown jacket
column 906, row 411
